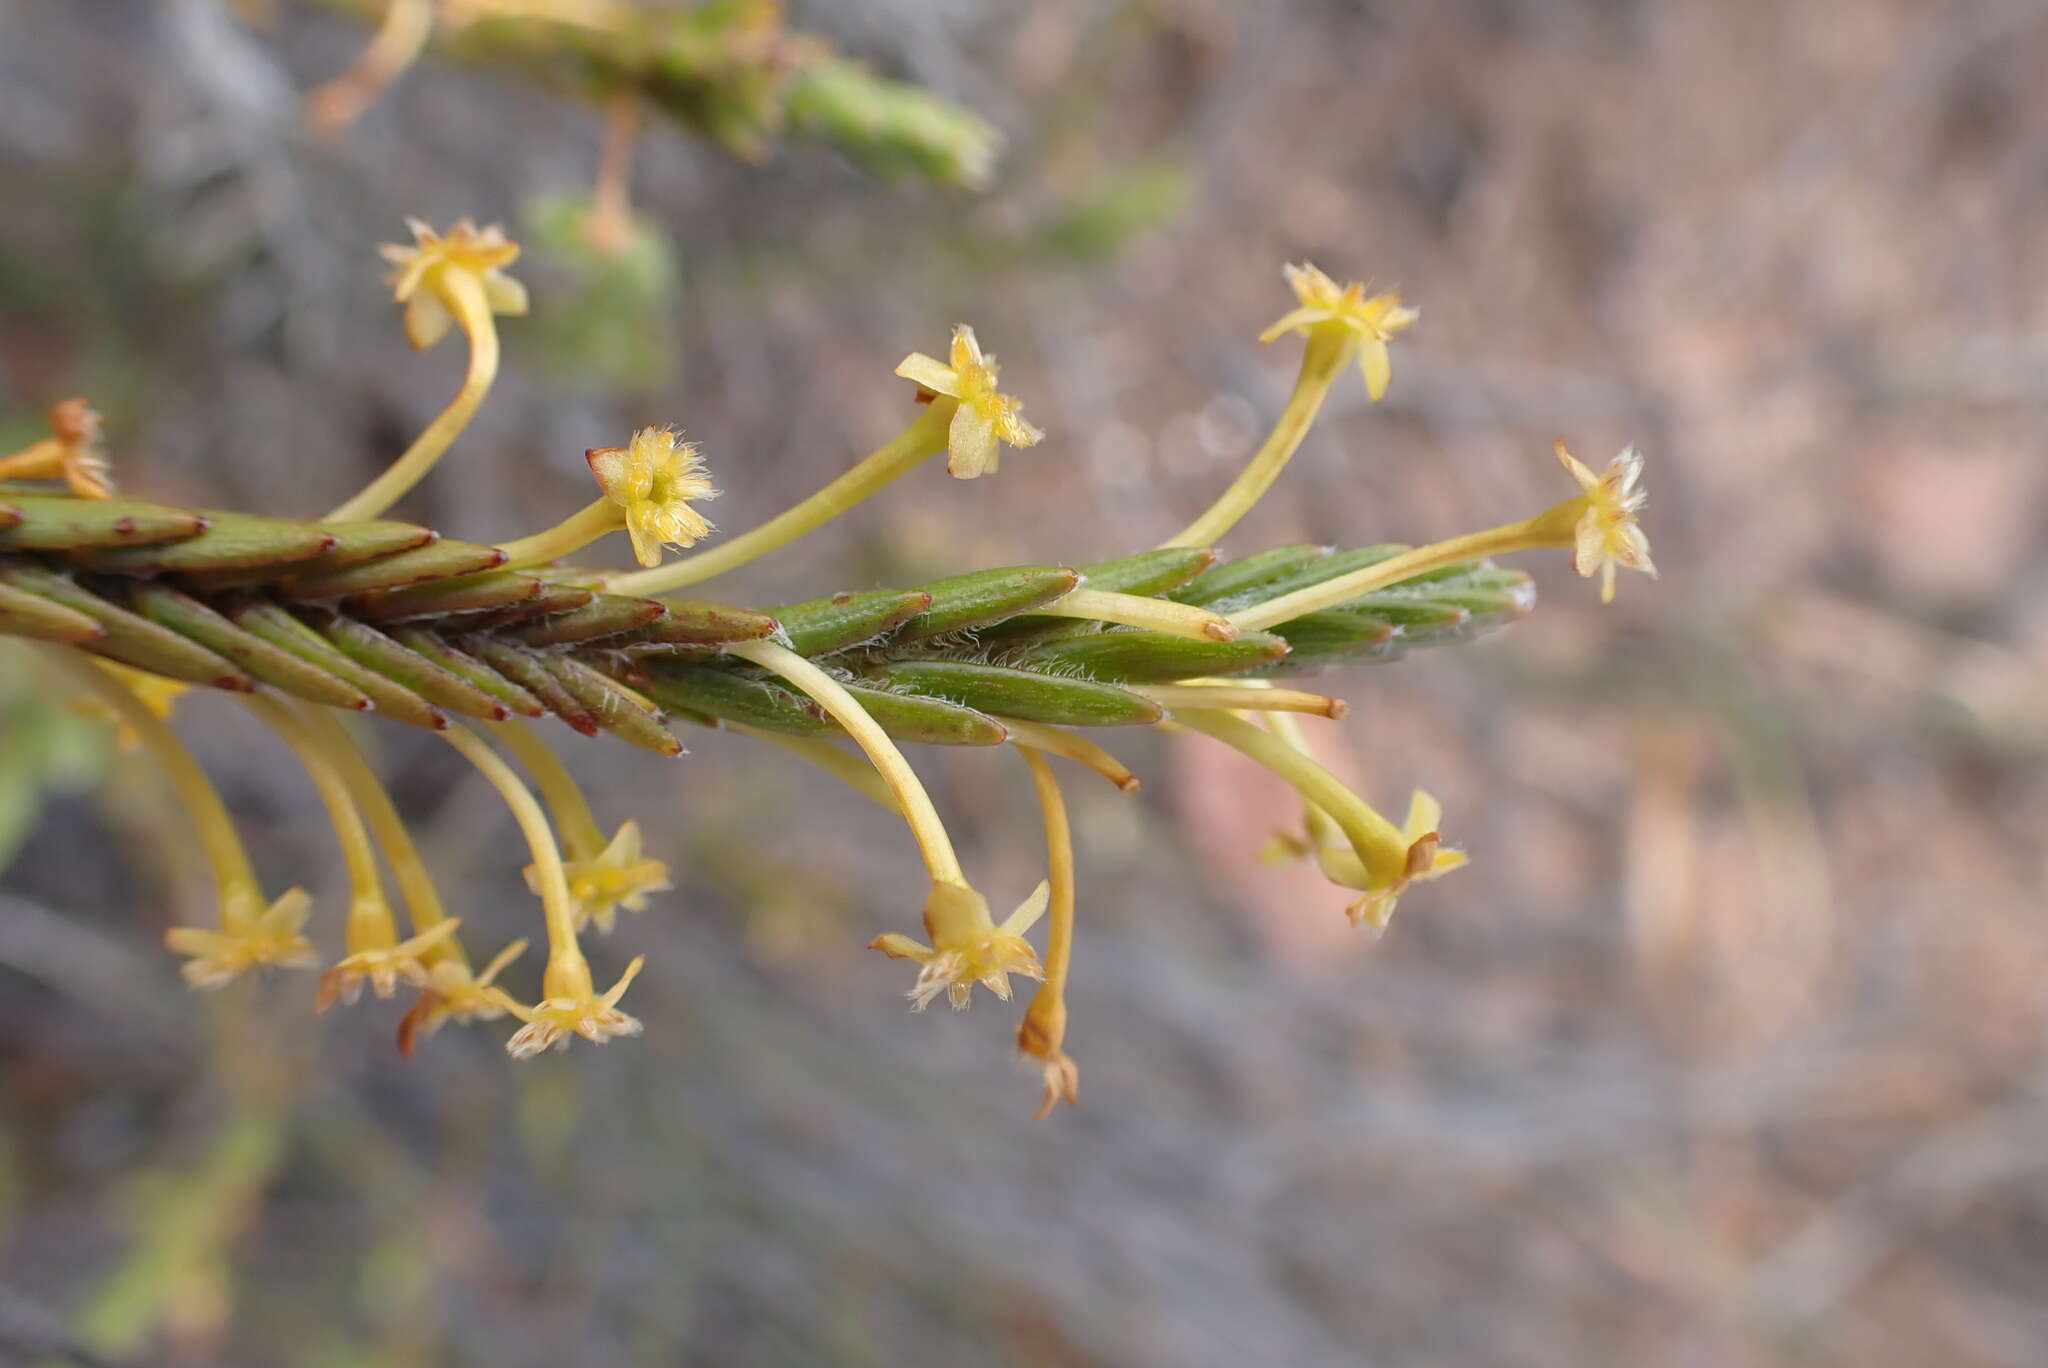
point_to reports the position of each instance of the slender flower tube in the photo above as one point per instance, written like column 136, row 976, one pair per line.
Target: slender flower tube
column 71, row 453
column 394, row 47
column 1043, row 1031
column 375, row 955
column 570, row 1002
column 1072, row 746
column 455, row 280
column 252, row 931
column 1134, row 610
column 1599, row 524
column 603, row 875
column 1238, row 698
column 924, row 438
column 1340, row 323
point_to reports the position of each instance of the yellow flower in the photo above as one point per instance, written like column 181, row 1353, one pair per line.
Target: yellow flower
column 453, row 993
column 158, row 694
column 382, row 966
column 570, row 1007
column 1607, row 533
column 219, row 955
column 1371, row 321
column 654, row 479
column 620, row 875
column 421, row 282
column 1039, row 1037
column 967, row 946
column 1427, row 859
column 71, row 451
column 985, row 418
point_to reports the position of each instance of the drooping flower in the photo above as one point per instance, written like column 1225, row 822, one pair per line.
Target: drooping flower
column 1373, row 320
column 618, row 876
column 454, row 993
column 1040, row 1036
column 967, row 946
column 156, row 693
column 986, row 417
column 423, row 280
column 218, row 955
column 655, row 479
column 571, row 1008
column 71, row 452
column 1607, row 532
column 1428, row 858
column 382, row 966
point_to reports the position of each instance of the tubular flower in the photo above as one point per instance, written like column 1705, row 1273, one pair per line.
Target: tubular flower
column 454, row 993
column 618, row 876
column 654, row 480
column 986, row 417
column 155, row 693
column 382, row 967
column 967, row 946
column 218, row 956
column 1607, row 532
column 1040, row 1036
column 71, row 452
column 1372, row 322
column 1427, row 859
column 571, row 1006
column 421, row 282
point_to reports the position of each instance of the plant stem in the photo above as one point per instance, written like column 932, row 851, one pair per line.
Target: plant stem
column 1072, row 746
column 1059, row 848
column 370, row 919
column 241, row 896
column 1321, row 363
column 564, row 955
column 582, row 837
column 465, row 299
column 597, row 519
column 914, row 802
column 924, row 438
column 396, row 45
column 1240, row 699
column 1134, row 610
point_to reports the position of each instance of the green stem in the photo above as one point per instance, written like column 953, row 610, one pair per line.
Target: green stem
column 565, row 957
column 370, row 921
column 924, row 438
column 465, row 299
column 582, row 837
column 597, row 519
column 1321, row 363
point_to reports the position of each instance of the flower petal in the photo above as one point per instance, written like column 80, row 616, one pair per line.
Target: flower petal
column 1377, row 366
column 931, row 373
column 427, row 320
column 971, row 447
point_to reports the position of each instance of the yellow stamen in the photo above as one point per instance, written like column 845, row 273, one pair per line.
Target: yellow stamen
column 1134, row 610
column 911, row 799
column 924, row 438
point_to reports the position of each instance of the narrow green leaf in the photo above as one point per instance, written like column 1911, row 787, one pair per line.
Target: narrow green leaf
column 278, row 627
column 231, row 541
column 470, row 668
column 1137, row 657
column 929, row 721
column 1149, row 573
column 1316, row 571
column 617, row 711
column 270, row 664
column 554, row 598
column 439, row 560
column 29, row 615
column 691, row 623
column 964, row 602
column 709, row 691
column 1247, row 572
column 490, row 590
column 606, row 615
column 373, row 650
column 129, row 637
column 357, row 542
column 59, row 524
column 1056, row 699
column 524, row 668
column 822, row 626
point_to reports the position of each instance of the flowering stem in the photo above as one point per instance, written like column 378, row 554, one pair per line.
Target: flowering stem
column 241, row 897
column 1134, row 610
column 370, row 919
column 1378, row 842
column 609, row 226
column 1059, row 847
column 396, row 45
column 1241, row 699
column 582, row 838
column 408, row 870
column 1553, row 527
column 597, row 519
column 465, row 299
column 1321, row 363
column 923, row 438
column 1072, row 746
column 915, row 803
column 565, row 957
column 39, row 460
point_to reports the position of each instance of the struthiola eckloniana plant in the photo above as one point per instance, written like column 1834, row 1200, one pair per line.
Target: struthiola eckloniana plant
column 132, row 602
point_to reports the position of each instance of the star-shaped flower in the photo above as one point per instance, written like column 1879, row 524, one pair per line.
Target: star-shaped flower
column 422, row 280
column 1608, row 534
column 218, row 955
column 454, row 993
column 571, row 1008
column 986, row 417
column 618, row 876
column 1373, row 320
column 967, row 946
column 655, row 479
column 382, row 967
column 1427, row 859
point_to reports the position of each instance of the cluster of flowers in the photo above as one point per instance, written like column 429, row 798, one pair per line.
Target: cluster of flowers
column 652, row 488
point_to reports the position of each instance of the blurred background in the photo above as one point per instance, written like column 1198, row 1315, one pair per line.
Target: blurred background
column 1728, row 1048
